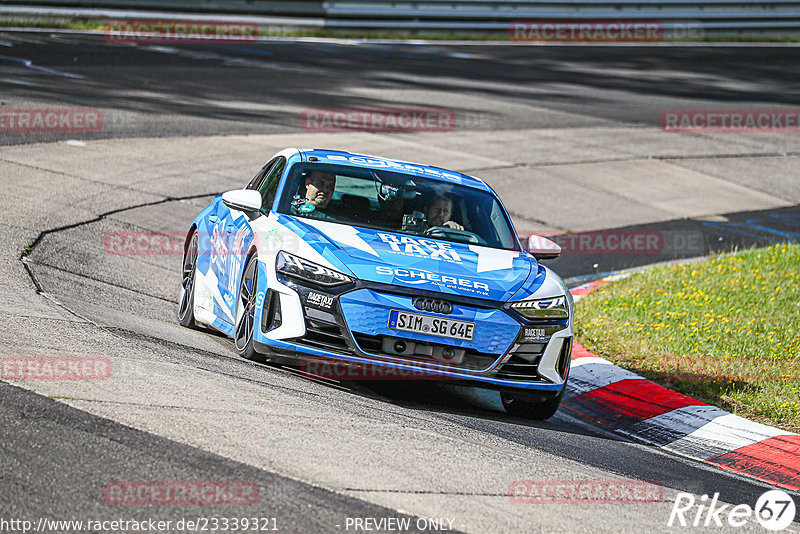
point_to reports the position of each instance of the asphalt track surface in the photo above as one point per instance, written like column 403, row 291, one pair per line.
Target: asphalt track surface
column 182, row 123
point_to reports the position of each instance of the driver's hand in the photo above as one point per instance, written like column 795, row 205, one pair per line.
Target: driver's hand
column 454, row 225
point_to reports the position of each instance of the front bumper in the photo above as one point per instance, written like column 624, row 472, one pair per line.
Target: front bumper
column 350, row 325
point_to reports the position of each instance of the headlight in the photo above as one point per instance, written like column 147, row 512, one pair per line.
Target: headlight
column 554, row 308
column 311, row 272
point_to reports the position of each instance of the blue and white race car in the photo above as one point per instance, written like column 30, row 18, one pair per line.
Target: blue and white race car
column 407, row 268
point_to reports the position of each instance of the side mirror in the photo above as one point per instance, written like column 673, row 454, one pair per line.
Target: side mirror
column 242, row 199
column 543, row 248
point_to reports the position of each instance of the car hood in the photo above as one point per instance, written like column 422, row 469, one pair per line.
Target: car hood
column 415, row 262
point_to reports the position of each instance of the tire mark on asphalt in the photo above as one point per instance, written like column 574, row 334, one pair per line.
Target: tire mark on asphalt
column 30, row 248
column 186, row 409
column 124, row 333
column 99, row 281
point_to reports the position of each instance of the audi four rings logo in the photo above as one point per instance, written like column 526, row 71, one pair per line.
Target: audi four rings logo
column 432, row 305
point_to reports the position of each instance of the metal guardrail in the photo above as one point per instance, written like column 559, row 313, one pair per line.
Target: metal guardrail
column 712, row 16
column 313, row 8
column 724, row 17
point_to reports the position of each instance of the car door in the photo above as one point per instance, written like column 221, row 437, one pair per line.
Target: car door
column 221, row 228
column 237, row 232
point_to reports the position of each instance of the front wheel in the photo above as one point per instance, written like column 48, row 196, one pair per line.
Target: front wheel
column 246, row 312
column 186, row 297
column 524, row 404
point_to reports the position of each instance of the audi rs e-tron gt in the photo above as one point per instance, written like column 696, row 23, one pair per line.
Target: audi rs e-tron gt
column 375, row 263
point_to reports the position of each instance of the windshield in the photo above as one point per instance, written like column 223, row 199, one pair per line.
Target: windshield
column 397, row 202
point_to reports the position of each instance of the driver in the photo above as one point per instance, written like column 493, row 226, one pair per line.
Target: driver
column 319, row 191
column 439, row 211
column 319, row 188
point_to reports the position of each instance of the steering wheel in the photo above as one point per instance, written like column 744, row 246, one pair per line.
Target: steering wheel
column 453, row 234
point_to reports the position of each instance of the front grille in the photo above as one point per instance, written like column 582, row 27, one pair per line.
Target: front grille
column 459, row 300
column 324, row 335
column 271, row 313
column 523, row 362
column 473, row 360
column 564, row 357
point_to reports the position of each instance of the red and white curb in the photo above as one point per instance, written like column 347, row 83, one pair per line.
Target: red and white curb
column 625, row 402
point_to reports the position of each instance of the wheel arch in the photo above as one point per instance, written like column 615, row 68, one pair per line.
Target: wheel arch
column 192, row 229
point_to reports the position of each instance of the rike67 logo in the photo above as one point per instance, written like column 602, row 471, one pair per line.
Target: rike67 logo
column 774, row 510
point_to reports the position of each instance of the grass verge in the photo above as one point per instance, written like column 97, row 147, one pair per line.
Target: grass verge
column 725, row 330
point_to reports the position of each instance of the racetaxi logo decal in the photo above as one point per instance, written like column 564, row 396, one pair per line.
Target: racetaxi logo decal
column 532, row 334
column 417, row 276
column 238, row 242
column 219, row 250
column 420, row 248
column 319, row 300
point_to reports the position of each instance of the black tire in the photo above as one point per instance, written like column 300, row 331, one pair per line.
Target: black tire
column 528, row 406
column 245, row 312
column 186, row 296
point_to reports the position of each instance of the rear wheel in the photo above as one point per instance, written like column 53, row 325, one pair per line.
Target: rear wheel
column 529, row 406
column 186, row 296
column 246, row 312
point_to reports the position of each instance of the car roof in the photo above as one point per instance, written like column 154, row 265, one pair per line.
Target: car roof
column 338, row 157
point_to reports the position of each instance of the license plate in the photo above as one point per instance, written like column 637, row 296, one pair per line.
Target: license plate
column 432, row 326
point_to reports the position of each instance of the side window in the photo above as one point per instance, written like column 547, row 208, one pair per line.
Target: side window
column 269, row 185
column 499, row 230
column 258, row 178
